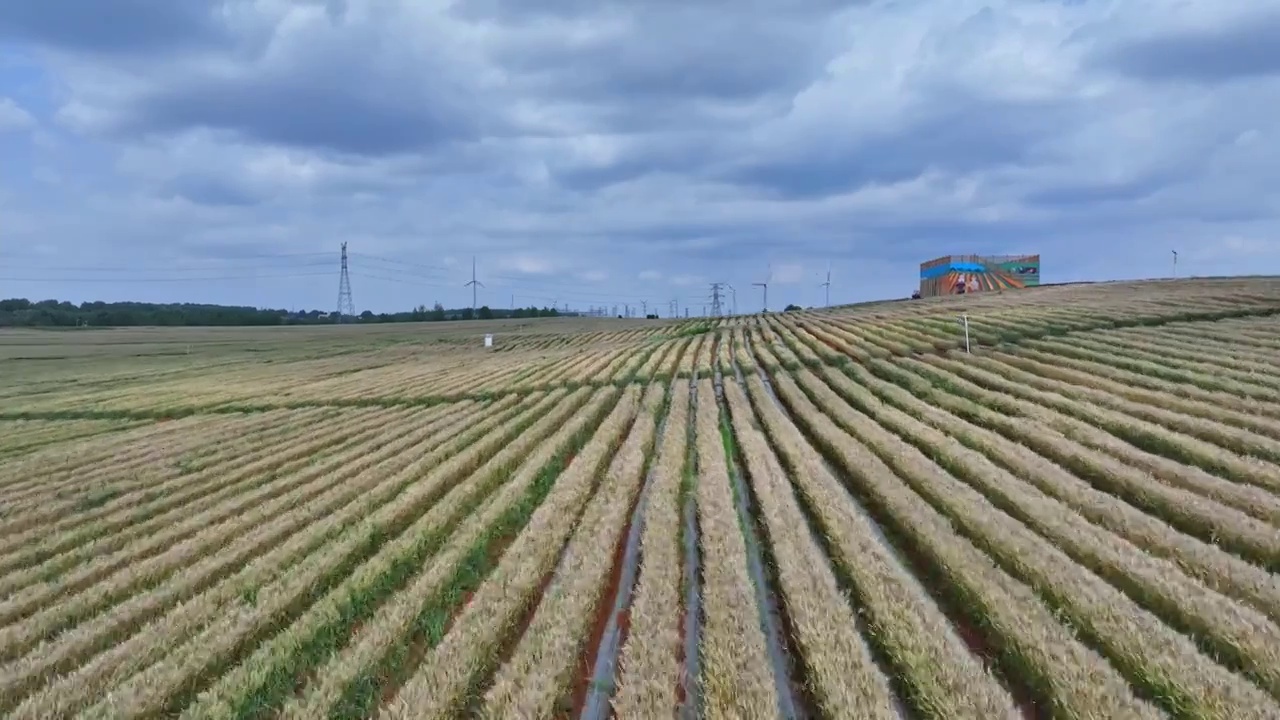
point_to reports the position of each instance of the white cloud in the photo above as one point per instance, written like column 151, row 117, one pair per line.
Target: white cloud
column 788, row 274
column 558, row 143
column 685, row 280
column 527, row 264
column 14, row 117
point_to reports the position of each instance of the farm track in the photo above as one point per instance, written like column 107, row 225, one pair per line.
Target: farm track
column 833, row 513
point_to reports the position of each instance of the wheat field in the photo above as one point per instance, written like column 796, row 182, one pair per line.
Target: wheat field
column 828, row 513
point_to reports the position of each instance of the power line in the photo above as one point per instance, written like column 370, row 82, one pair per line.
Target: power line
column 274, row 266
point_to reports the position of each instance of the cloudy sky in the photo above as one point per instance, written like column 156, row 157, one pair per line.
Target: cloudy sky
column 601, row 152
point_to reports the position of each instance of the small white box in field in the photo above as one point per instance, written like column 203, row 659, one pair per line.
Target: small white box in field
column 488, row 340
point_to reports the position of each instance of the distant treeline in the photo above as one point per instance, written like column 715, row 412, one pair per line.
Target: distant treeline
column 19, row 312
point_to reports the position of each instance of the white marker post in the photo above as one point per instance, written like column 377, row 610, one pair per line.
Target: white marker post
column 964, row 319
column 488, row 340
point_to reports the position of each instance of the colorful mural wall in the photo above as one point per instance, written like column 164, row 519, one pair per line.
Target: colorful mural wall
column 959, row 274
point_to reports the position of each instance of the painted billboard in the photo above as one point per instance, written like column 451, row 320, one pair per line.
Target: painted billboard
column 960, row 274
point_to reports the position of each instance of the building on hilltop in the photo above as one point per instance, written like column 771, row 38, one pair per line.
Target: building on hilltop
column 960, row 274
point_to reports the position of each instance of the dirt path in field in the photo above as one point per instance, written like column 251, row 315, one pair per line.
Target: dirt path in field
column 691, row 611
column 792, row 697
column 599, row 660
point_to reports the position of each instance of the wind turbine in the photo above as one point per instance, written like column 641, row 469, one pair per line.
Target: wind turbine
column 827, row 285
column 473, row 285
column 1175, row 264
column 765, row 285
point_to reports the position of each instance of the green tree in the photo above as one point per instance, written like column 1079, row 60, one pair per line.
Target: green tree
column 485, row 313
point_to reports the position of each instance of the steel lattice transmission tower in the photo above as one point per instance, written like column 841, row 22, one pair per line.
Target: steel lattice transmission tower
column 346, row 306
column 715, row 299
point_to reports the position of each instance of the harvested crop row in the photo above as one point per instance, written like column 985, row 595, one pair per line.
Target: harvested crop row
column 630, row 372
column 1252, row 337
column 229, row 537
column 842, row 342
column 841, row 671
column 1176, row 388
column 943, row 678
column 347, row 685
column 736, row 677
column 471, row 648
column 649, row 665
column 681, row 363
column 1220, row 570
column 724, row 356
column 741, row 357
column 73, row 558
column 521, row 367
column 1195, row 512
column 803, row 352
column 574, row 373
column 654, row 360
column 1197, row 376
column 1238, row 633
column 464, row 386
column 755, row 338
column 306, row 529
column 704, row 360
column 1068, row 676
column 540, row 671
column 1213, row 437
column 1210, row 347
column 869, row 335
column 129, row 503
column 548, row 366
column 528, row 366
column 451, row 383
column 137, row 554
column 803, row 333
column 1095, row 385
column 22, row 437
column 666, row 366
column 635, row 356
column 376, row 548
column 66, row 462
column 501, row 372
column 689, row 358
column 1232, row 367
column 1228, row 451
column 901, row 334
column 553, row 369
column 1152, row 654
column 601, row 369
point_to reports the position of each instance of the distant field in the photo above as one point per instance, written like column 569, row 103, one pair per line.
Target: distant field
column 815, row 514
